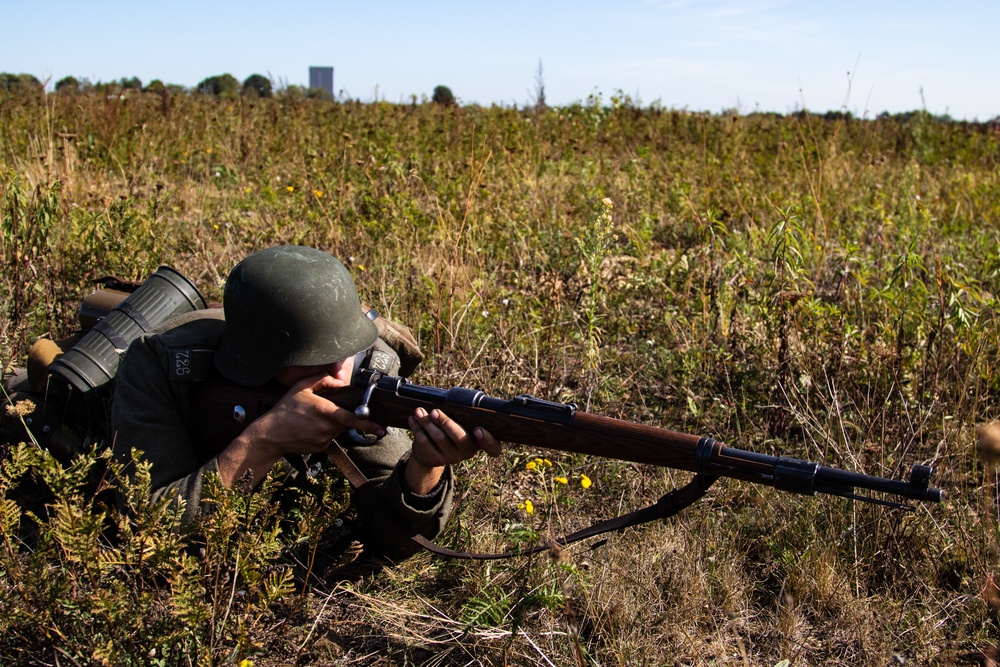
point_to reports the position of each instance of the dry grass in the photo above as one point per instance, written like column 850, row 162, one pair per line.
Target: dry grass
column 821, row 288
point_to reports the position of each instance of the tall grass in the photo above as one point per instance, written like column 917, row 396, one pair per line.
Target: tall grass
column 815, row 287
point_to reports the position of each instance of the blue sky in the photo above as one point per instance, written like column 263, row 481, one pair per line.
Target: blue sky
column 769, row 55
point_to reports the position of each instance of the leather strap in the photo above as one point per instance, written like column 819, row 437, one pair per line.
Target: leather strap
column 667, row 506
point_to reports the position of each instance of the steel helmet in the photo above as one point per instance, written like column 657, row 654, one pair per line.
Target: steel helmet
column 289, row 306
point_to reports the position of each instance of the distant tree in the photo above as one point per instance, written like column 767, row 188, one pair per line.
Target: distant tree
column 257, row 85
column 68, row 84
column 222, row 85
column 292, row 92
column 132, row 83
column 154, row 86
column 838, row 115
column 540, row 104
column 443, row 96
column 14, row 82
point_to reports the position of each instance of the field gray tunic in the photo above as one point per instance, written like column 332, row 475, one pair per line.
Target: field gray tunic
column 152, row 413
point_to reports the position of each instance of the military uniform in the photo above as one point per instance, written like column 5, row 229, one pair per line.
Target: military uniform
column 152, row 412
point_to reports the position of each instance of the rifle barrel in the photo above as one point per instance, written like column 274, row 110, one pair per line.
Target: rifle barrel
column 807, row 478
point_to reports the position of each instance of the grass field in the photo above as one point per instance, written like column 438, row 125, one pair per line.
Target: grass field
column 821, row 287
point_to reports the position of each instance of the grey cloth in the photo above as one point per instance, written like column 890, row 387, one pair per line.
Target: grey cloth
column 151, row 413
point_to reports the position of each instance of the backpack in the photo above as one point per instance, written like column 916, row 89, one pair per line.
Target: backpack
column 60, row 399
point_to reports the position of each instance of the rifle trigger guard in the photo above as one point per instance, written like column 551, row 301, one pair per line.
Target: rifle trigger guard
column 361, row 437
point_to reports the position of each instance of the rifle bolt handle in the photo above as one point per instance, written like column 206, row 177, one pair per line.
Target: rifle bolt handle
column 362, row 411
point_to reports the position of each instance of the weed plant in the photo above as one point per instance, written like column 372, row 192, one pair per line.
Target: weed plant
column 822, row 288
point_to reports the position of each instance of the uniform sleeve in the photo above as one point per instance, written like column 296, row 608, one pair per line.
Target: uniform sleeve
column 383, row 462
column 147, row 415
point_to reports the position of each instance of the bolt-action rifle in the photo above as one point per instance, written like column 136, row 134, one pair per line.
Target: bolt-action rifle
column 527, row 420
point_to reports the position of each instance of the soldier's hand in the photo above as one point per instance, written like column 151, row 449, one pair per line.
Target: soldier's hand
column 439, row 441
column 304, row 421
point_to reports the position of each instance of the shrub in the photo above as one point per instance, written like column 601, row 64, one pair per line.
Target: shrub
column 18, row 81
column 69, row 84
column 122, row 588
column 318, row 94
column 257, row 85
column 154, row 86
column 443, row 96
column 222, row 85
column 133, row 83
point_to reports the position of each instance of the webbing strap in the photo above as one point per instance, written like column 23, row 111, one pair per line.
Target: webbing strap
column 667, row 506
column 136, row 316
column 116, row 339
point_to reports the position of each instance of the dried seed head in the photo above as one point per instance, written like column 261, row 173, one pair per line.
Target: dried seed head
column 22, row 408
column 556, row 553
column 988, row 443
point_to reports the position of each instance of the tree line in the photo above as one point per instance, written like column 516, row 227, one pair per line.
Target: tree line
column 257, row 85
column 220, row 85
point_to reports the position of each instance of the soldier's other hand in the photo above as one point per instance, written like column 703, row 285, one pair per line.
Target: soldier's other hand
column 438, row 440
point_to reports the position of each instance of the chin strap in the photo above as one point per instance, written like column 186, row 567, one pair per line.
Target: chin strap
column 667, row 506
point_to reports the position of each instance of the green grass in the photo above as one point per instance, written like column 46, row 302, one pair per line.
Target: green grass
column 823, row 288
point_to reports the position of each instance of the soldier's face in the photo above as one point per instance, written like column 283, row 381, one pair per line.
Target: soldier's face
column 339, row 370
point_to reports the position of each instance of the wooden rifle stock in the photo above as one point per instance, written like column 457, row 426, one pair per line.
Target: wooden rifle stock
column 526, row 420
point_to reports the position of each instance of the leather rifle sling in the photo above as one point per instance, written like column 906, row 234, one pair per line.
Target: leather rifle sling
column 665, row 507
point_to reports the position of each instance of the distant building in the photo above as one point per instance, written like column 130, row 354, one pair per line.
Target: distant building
column 322, row 78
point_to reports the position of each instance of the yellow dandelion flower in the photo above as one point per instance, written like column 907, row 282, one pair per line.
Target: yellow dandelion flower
column 585, row 481
column 246, row 662
column 361, row 267
column 208, row 150
column 290, row 188
column 561, row 480
column 247, row 189
column 215, row 225
column 318, row 194
column 547, row 462
column 528, row 507
column 531, row 465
